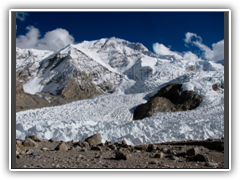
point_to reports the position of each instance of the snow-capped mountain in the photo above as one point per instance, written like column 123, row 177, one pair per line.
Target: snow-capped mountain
column 125, row 74
column 82, row 70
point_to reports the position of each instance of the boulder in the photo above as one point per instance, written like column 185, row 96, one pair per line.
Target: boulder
column 199, row 157
column 188, row 101
column 216, row 86
column 153, row 106
column 20, row 148
column 124, row 142
column 168, row 99
column 151, row 148
column 122, row 155
column 52, row 140
column 34, row 138
column 112, row 147
column 211, row 164
column 141, row 147
column 94, row 139
column 29, row 143
column 159, row 155
column 170, row 92
column 193, row 152
column 82, row 144
column 108, row 142
column 61, row 147
column 96, row 148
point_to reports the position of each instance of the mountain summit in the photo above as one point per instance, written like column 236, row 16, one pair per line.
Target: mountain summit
column 81, row 71
column 119, row 81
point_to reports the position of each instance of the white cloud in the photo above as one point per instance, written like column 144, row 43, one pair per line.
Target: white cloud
column 218, row 50
column 29, row 40
column 163, row 50
column 190, row 56
column 189, row 36
column 21, row 16
column 214, row 54
column 52, row 40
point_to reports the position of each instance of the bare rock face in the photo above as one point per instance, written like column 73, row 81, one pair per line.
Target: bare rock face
column 155, row 105
column 168, row 100
column 74, row 91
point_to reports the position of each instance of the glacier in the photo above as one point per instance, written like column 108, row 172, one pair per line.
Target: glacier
column 111, row 114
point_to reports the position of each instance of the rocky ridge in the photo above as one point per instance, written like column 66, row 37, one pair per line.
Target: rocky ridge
column 78, row 71
column 170, row 98
column 92, row 153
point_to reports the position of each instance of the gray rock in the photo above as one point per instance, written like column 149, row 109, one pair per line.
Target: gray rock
column 168, row 100
column 20, row 148
column 61, row 147
column 211, row 164
column 82, row 144
column 151, row 148
column 112, row 147
column 19, row 142
column 201, row 157
column 36, row 153
column 122, row 155
column 159, row 155
column 94, row 139
column 141, row 147
column 29, row 143
column 124, row 142
column 216, row 86
column 34, row 138
column 108, row 142
column 52, row 140
column 193, row 152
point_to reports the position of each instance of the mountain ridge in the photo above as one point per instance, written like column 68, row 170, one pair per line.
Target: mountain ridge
column 98, row 67
column 94, row 91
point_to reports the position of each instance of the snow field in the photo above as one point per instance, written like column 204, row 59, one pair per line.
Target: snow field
column 111, row 115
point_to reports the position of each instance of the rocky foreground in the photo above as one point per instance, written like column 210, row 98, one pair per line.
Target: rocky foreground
column 91, row 153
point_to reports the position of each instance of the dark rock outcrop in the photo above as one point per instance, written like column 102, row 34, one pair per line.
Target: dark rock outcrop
column 216, row 86
column 168, row 100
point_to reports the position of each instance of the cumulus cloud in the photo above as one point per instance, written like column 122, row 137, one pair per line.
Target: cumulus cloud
column 52, row 40
column 190, row 56
column 30, row 40
column 163, row 50
column 214, row 54
column 190, row 35
column 218, row 50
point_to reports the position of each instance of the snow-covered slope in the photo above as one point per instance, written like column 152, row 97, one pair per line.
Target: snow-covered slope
column 135, row 74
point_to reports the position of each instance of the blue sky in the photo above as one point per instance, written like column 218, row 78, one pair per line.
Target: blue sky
column 187, row 34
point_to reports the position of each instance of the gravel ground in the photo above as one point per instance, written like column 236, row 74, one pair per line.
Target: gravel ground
column 50, row 155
